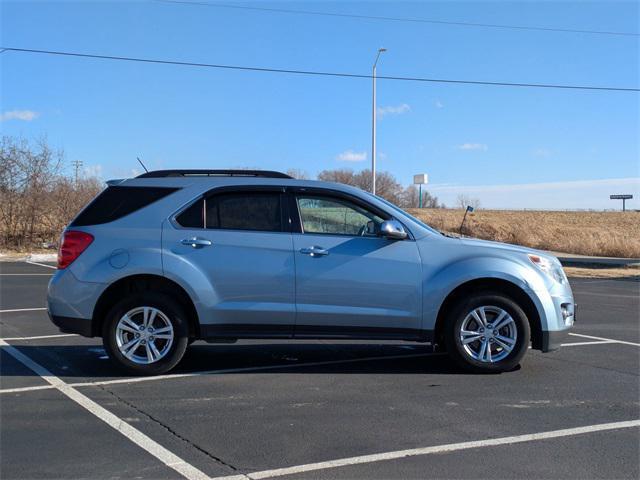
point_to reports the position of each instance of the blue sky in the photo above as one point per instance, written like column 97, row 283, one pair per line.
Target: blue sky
column 480, row 140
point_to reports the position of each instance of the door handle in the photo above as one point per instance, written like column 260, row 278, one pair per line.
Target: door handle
column 314, row 251
column 196, row 242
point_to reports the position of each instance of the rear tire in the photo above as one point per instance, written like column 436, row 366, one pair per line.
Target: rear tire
column 487, row 333
column 146, row 333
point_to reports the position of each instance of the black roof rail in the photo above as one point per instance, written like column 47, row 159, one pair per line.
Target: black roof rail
column 213, row 173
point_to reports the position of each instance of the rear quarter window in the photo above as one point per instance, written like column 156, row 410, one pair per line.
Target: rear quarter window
column 117, row 201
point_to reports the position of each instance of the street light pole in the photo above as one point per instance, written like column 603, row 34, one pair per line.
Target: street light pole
column 373, row 125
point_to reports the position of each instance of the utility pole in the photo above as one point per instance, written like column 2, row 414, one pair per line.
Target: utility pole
column 77, row 165
column 373, row 126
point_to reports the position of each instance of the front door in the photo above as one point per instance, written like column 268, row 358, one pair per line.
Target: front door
column 350, row 281
column 235, row 248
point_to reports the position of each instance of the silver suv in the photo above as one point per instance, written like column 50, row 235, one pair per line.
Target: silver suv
column 156, row 262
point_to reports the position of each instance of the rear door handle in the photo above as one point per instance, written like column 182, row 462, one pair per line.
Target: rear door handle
column 314, row 251
column 196, row 242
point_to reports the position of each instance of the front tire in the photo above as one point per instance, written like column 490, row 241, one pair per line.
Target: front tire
column 146, row 333
column 487, row 333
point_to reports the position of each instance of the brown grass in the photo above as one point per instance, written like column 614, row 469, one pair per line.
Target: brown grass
column 606, row 234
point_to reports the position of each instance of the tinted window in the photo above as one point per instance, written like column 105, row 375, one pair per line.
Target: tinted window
column 116, row 202
column 192, row 217
column 337, row 217
column 244, row 211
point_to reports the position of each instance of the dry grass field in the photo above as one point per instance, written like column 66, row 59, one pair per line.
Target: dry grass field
column 607, row 234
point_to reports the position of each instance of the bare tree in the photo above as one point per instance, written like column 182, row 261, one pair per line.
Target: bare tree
column 387, row 186
column 343, row 175
column 298, row 174
column 36, row 199
column 411, row 198
column 464, row 201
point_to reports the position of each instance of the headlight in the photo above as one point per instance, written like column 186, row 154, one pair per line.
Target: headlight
column 552, row 269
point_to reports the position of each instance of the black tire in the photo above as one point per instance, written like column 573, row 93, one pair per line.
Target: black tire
column 459, row 313
column 172, row 311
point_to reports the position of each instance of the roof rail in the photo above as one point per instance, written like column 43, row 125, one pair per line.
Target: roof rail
column 213, row 173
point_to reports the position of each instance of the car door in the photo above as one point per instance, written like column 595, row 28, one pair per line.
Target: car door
column 350, row 281
column 234, row 247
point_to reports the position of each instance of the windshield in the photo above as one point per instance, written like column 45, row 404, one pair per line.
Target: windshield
column 399, row 210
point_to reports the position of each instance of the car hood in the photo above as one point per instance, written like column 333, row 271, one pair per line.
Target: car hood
column 474, row 242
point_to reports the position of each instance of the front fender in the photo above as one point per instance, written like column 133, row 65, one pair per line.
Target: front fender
column 441, row 283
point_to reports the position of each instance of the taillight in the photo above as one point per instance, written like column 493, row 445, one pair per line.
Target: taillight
column 72, row 245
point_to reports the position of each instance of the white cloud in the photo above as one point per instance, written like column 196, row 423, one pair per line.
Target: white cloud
column 541, row 152
column 571, row 194
column 25, row 115
column 394, row 110
column 351, row 156
column 93, row 171
column 439, row 104
column 473, row 146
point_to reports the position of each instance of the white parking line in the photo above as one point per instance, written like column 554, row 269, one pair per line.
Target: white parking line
column 24, row 274
column 41, row 264
column 39, row 337
column 612, row 340
column 136, row 436
column 26, row 389
column 23, row 310
column 223, row 371
column 451, row 447
column 580, row 344
column 248, row 369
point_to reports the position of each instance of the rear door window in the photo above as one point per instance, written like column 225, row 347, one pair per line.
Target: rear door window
column 257, row 211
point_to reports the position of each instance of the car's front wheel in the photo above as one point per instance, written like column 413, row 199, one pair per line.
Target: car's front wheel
column 146, row 334
column 488, row 332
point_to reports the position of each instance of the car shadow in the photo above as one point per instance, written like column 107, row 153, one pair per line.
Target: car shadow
column 91, row 361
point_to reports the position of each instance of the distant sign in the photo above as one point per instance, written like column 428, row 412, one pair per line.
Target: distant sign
column 421, row 179
column 620, row 197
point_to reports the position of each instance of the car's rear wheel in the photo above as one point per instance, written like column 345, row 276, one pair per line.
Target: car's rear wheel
column 146, row 334
column 488, row 332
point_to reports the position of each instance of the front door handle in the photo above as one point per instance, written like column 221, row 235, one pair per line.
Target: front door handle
column 196, row 242
column 314, row 251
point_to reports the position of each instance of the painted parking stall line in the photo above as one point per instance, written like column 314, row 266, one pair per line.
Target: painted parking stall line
column 582, row 344
column 39, row 337
column 25, row 274
column 451, row 447
column 612, row 340
column 242, row 370
column 136, row 436
column 15, row 310
column 220, row 372
column 41, row 264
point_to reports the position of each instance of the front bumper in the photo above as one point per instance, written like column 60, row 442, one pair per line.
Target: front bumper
column 557, row 309
column 553, row 340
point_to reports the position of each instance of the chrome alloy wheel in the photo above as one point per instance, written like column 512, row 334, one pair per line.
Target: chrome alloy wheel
column 144, row 335
column 488, row 334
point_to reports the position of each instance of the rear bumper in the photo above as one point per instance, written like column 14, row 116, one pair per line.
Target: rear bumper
column 80, row 326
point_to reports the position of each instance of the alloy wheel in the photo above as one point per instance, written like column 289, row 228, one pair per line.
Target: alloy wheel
column 488, row 334
column 144, row 335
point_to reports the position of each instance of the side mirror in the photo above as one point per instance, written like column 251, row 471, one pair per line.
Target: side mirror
column 393, row 230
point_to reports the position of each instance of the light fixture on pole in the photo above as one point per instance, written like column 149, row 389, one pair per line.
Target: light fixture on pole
column 373, row 126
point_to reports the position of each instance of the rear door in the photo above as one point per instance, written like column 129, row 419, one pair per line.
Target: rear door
column 235, row 248
column 350, row 281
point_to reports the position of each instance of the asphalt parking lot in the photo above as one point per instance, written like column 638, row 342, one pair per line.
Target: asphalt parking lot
column 320, row 409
